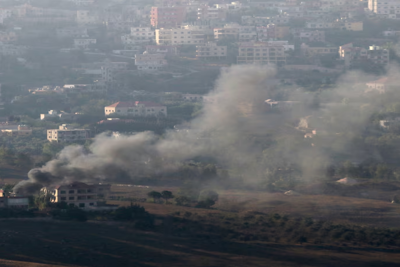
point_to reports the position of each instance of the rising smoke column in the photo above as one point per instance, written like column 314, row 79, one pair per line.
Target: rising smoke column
column 217, row 132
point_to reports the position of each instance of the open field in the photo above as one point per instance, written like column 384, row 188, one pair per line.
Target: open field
column 328, row 207
column 95, row 244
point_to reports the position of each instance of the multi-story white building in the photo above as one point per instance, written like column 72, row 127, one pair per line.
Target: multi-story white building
column 78, row 194
column 309, row 35
column 20, row 130
column 84, row 43
column 150, row 62
column 375, row 54
column 136, row 109
column 261, row 53
column 389, row 8
column 211, row 50
column 215, row 12
column 178, row 36
column 67, row 134
column 138, row 35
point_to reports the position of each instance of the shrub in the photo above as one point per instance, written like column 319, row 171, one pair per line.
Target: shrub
column 205, row 204
column 182, row 201
column 70, row 214
column 129, row 213
column 208, row 195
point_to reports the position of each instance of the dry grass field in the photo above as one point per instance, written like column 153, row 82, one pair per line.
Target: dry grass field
column 107, row 244
column 341, row 209
column 42, row 242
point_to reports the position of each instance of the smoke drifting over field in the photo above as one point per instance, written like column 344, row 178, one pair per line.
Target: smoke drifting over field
column 217, row 132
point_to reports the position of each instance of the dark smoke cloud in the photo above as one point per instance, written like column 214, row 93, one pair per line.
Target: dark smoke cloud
column 226, row 130
column 217, row 132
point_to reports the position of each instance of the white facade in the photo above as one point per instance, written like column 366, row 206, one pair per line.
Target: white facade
column 138, row 35
column 180, row 36
column 211, row 50
column 391, row 8
column 135, row 109
column 65, row 134
column 150, row 62
column 83, row 43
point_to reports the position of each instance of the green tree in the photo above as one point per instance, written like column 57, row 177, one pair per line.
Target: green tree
column 154, row 195
column 23, row 161
column 166, row 195
column 52, row 149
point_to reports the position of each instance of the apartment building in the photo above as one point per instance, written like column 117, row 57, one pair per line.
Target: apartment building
column 311, row 51
column 211, row 13
column 389, row 8
column 110, row 69
column 84, row 43
column 192, row 97
column 167, row 17
column 20, row 130
column 78, row 194
column 167, row 50
column 261, row 53
column 136, row 109
column 339, row 24
column 349, row 25
column 138, row 35
column 179, row 36
column 67, row 134
column 247, row 33
column 13, row 202
column 226, row 33
column 266, row 32
column 150, row 62
column 309, row 35
column 375, row 54
column 211, row 50
column 319, row 25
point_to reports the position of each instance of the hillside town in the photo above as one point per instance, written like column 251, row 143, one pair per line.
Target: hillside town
column 82, row 59
column 199, row 132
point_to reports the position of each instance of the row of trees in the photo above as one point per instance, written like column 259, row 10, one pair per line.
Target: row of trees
column 203, row 199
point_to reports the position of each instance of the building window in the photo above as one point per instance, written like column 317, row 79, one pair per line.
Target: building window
column 63, row 198
column 71, row 191
column 63, row 192
column 81, row 205
column 91, row 204
column 71, row 198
